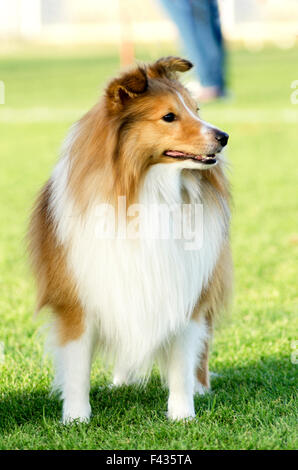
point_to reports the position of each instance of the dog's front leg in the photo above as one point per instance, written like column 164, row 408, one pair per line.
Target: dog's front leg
column 182, row 360
column 72, row 379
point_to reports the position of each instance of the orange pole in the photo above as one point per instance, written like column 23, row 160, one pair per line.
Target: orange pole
column 127, row 54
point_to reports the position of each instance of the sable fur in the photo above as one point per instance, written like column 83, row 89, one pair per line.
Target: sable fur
column 117, row 149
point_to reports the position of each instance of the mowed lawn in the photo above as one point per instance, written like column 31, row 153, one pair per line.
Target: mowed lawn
column 253, row 402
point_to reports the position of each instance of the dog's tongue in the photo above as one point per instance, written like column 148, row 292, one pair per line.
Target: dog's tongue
column 176, row 153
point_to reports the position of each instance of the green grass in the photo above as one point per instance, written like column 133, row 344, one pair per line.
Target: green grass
column 253, row 403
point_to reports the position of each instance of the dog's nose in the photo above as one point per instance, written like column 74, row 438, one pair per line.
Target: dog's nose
column 222, row 138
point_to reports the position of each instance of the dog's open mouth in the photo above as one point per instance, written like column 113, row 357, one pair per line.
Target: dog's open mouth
column 206, row 159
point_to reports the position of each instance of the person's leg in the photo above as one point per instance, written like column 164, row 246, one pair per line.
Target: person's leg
column 210, row 49
column 180, row 11
column 199, row 26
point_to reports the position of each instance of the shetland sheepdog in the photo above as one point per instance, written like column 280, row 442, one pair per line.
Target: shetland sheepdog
column 136, row 298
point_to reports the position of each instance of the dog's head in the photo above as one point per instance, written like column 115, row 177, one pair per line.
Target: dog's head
column 158, row 119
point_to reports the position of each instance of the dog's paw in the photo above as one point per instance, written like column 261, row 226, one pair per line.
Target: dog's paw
column 76, row 414
column 180, row 410
column 181, row 415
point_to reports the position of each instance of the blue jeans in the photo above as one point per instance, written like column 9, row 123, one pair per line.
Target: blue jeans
column 198, row 23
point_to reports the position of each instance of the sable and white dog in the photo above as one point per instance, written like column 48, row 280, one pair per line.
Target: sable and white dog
column 136, row 299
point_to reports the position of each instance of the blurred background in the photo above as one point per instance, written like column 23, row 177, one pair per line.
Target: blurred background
column 55, row 59
column 252, row 22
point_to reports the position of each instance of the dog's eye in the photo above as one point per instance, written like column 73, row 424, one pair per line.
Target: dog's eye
column 170, row 117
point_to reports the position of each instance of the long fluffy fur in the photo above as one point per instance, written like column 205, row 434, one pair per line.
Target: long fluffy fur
column 135, row 299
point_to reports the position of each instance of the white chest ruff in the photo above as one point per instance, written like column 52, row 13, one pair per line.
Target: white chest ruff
column 138, row 293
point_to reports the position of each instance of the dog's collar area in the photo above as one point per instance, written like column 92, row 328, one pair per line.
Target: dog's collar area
column 206, row 159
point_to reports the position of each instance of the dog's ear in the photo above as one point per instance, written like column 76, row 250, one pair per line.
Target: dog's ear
column 168, row 67
column 129, row 86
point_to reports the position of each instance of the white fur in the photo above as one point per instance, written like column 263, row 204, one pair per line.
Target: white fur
column 138, row 294
column 190, row 112
column 72, row 379
column 183, row 357
column 205, row 128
